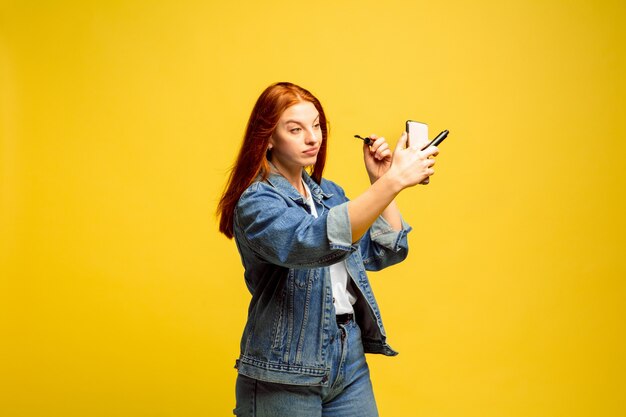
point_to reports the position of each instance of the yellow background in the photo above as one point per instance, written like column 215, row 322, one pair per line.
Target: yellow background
column 119, row 121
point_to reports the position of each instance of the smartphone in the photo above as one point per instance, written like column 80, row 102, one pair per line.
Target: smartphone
column 417, row 132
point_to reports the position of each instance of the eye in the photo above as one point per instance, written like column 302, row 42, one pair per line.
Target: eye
column 316, row 126
column 295, row 130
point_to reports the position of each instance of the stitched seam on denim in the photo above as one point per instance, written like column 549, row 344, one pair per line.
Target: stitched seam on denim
column 250, row 335
column 296, row 378
column 296, row 369
column 256, row 382
column 305, row 318
column 290, row 310
column 324, row 347
column 382, row 232
column 324, row 259
column 342, row 358
column 278, row 323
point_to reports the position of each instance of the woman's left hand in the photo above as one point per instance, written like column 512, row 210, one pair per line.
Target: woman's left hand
column 377, row 157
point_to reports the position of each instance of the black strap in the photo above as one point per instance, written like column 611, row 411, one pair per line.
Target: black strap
column 344, row 318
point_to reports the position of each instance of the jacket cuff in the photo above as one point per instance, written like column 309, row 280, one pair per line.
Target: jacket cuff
column 338, row 228
column 382, row 233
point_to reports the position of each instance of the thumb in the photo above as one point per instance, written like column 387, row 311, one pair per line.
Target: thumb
column 401, row 142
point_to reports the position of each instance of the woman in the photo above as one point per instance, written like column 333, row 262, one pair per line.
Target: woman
column 305, row 248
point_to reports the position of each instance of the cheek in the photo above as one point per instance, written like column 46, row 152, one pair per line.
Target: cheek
column 283, row 145
column 285, row 148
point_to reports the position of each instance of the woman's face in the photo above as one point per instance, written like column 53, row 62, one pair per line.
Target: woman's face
column 297, row 138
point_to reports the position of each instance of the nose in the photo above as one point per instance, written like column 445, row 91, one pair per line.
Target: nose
column 312, row 137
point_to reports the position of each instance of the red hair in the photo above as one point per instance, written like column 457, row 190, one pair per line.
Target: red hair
column 252, row 160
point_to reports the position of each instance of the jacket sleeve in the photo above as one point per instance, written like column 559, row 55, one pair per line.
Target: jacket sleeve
column 381, row 246
column 287, row 235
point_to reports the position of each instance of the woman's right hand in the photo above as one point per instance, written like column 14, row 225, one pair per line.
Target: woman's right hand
column 410, row 165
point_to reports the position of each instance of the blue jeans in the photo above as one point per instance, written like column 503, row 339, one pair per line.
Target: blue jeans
column 350, row 393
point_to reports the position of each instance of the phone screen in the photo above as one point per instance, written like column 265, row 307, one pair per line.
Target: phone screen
column 417, row 131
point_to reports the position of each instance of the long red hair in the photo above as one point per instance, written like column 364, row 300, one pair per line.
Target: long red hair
column 252, row 159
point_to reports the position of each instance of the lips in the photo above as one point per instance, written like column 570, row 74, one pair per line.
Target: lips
column 311, row 151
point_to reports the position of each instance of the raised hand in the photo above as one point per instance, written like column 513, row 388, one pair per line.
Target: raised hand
column 377, row 156
column 410, row 165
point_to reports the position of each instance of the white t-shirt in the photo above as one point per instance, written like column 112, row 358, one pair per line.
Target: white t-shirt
column 342, row 297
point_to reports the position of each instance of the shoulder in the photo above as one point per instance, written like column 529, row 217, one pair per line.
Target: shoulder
column 258, row 200
column 258, row 190
column 331, row 187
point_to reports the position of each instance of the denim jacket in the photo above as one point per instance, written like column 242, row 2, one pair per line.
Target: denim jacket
column 286, row 253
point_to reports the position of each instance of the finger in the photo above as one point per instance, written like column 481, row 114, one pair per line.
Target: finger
column 402, row 142
column 382, row 150
column 431, row 151
column 383, row 147
column 429, row 173
column 371, row 139
column 377, row 144
column 385, row 153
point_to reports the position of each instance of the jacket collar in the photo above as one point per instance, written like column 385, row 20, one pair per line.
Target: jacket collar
column 283, row 186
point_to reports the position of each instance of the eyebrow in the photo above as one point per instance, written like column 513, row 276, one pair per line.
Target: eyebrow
column 299, row 122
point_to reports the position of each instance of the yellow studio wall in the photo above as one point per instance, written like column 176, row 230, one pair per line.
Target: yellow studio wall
column 119, row 121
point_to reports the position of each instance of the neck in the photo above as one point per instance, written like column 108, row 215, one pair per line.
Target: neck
column 294, row 176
